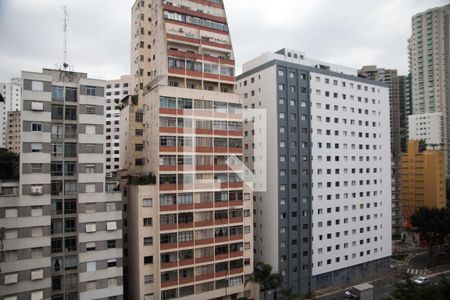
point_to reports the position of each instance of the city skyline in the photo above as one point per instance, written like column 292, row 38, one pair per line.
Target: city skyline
column 376, row 38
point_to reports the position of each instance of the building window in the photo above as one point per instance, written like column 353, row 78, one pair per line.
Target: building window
column 148, row 279
column 92, row 227
column 148, row 222
column 37, row 86
column 147, row 202
column 111, row 244
column 36, row 127
column 112, row 263
column 148, row 260
column 111, row 225
column 90, row 91
column 91, row 266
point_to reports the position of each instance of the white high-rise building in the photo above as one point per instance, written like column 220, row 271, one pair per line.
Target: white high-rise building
column 325, row 216
column 11, row 92
column 115, row 91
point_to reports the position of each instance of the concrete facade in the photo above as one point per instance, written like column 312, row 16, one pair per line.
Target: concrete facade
column 312, row 224
column 78, row 217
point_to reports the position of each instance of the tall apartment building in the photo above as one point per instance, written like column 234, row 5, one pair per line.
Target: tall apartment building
column 116, row 90
column 325, row 216
column 429, row 65
column 390, row 77
column 13, row 131
column 64, row 231
column 10, row 92
column 189, row 233
column 423, row 179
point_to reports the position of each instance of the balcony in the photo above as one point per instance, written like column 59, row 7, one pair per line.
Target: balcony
column 236, row 271
column 204, row 242
column 168, row 129
column 204, row 205
column 169, row 283
column 207, row 223
column 167, row 111
column 168, row 265
column 237, row 203
column 236, row 254
column 204, row 277
column 185, row 225
column 186, row 244
column 204, row 168
column 221, row 221
column 186, row 262
column 221, row 204
column 168, row 208
column 167, row 149
column 221, row 256
column 221, row 273
column 168, row 246
column 236, row 220
column 236, row 237
column 167, row 168
column 168, row 187
column 165, row 227
column 185, row 206
column 186, row 280
column 221, row 239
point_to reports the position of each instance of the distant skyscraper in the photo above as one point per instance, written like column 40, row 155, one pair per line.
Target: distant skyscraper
column 116, row 90
column 429, row 65
column 325, row 217
column 63, row 223
column 11, row 92
column 13, row 131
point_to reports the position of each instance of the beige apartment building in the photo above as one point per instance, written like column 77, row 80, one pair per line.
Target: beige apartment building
column 13, row 132
column 189, row 213
column 423, row 179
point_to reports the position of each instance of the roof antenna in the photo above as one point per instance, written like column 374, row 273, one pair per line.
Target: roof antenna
column 66, row 14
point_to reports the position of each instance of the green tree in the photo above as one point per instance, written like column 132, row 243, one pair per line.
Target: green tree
column 266, row 279
column 9, row 165
column 433, row 225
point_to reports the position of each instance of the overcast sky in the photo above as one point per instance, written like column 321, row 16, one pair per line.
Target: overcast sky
column 347, row 32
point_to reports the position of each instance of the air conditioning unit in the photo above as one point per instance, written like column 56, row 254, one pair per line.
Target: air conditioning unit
column 36, row 190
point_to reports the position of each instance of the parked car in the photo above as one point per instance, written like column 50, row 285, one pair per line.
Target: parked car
column 421, row 280
column 349, row 295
